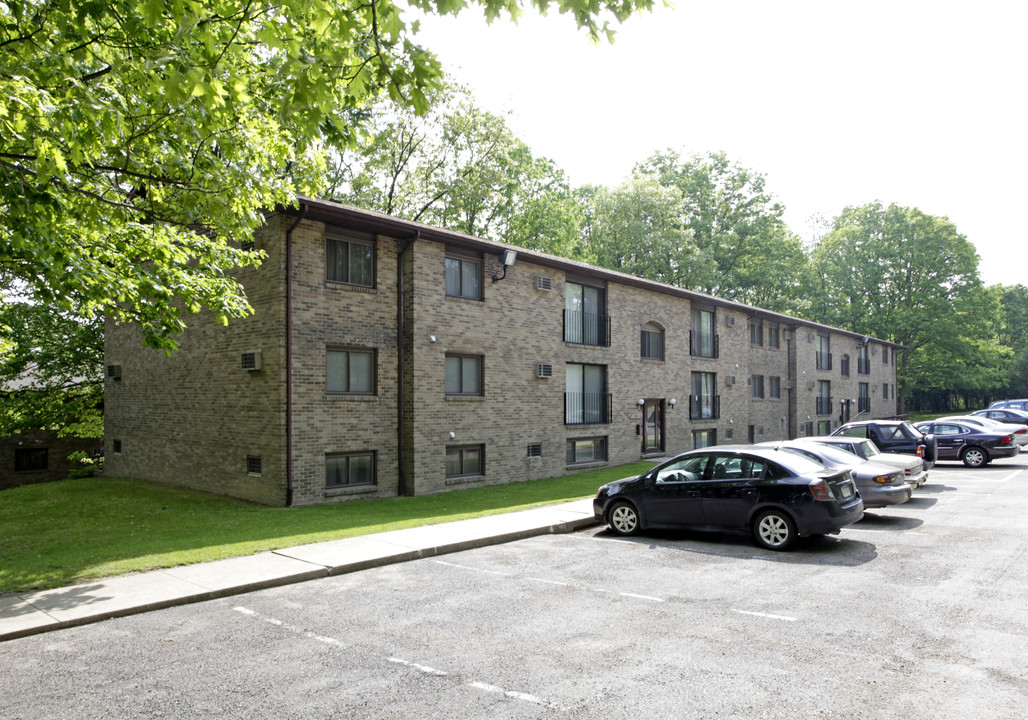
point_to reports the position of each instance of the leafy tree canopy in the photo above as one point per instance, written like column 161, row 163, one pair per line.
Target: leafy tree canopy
column 52, row 376
column 140, row 139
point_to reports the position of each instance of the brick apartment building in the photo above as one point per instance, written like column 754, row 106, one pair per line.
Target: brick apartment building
column 384, row 359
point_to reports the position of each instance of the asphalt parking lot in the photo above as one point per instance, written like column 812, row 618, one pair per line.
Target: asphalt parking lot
column 916, row 611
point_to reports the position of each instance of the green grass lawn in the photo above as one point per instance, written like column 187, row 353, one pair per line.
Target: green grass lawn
column 55, row 534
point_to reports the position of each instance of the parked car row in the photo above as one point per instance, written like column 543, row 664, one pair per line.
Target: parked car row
column 780, row 491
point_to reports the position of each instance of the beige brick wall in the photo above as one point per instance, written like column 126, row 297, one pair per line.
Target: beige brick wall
column 193, row 419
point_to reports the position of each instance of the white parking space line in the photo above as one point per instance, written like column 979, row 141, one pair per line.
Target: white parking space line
column 510, row 693
column 473, row 569
column 423, row 668
column 765, row 615
column 286, row 626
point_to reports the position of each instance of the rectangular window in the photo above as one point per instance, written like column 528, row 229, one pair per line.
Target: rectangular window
column 343, row 469
column 863, row 361
column 535, row 450
column 586, row 450
column 774, row 335
column 774, row 386
column 464, row 278
column 703, row 438
column 29, row 459
column 703, row 342
column 253, row 464
column 349, row 261
column 808, row 429
column 885, row 356
column 824, row 397
column 824, row 427
column 704, row 403
column 756, row 332
column 467, row 460
column 751, row 434
column 586, row 399
column 824, row 355
column 463, row 375
column 863, row 398
column 651, row 343
column 585, row 315
column 757, row 386
column 885, row 391
column 350, row 371
column 844, row 366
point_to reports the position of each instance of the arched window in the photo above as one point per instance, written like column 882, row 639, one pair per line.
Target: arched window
column 652, row 342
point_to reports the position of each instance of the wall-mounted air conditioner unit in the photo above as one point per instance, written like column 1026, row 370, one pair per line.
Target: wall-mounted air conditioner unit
column 730, row 380
column 787, row 334
column 811, row 337
column 787, row 384
column 811, row 385
column 543, row 370
column 543, row 283
column 250, row 360
column 730, row 320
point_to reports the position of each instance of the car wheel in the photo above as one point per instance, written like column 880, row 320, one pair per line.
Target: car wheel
column 975, row 457
column 774, row 530
column 623, row 519
column 931, row 451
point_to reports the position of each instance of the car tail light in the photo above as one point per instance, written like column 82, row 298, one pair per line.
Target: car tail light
column 1007, row 440
column 920, row 451
column 821, row 490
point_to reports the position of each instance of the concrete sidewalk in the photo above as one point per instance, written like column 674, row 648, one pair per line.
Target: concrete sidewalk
column 39, row 612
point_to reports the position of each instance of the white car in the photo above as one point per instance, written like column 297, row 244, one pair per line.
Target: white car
column 912, row 466
column 1020, row 432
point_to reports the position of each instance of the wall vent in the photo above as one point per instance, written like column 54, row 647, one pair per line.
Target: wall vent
column 114, row 372
column 811, row 337
column 811, row 385
column 730, row 380
column 543, row 370
column 543, row 283
column 787, row 384
column 730, row 320
column 250, row 360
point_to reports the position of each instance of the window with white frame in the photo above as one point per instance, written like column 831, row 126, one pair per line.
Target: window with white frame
column 756, row 332
column 774, row 335
column 652, row 342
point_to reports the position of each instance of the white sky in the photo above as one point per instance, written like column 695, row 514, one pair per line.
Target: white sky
column 909, row 101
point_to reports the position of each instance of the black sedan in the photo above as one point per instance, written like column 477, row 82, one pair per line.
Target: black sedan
column 975, row 446
column 774, row 495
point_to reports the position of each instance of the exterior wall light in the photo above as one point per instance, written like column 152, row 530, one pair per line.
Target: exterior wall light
column 507, row 260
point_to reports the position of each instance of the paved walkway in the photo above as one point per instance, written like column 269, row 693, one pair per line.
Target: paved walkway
column 39, row 612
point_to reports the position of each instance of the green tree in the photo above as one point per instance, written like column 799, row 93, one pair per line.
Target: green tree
column 461, row 168
column 899, row 274
column 53, row 373
column 141, row 139
column 745, row 251
column 1013, row 332
column 637, row 228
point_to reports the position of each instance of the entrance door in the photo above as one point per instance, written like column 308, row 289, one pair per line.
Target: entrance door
column 653, row 426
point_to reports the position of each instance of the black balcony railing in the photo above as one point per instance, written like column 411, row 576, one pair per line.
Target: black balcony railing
column 863, row 404
column 703, row 344
column 824, row 405
column 586, row 328
column 864, row 366
column 586, row 408
column 704, row 407
column 824, row 360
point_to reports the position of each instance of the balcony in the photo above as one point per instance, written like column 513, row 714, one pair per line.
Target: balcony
column 704, row 407
column 704, row 344
column 823, row 360
column 864, row 404
column 824, row 405
column 586, row 328
column 863, row 366
column 587, row 408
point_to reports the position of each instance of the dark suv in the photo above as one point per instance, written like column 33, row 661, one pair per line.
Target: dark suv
column 894, row 436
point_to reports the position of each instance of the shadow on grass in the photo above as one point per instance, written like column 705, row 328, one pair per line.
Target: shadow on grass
column 56, row 534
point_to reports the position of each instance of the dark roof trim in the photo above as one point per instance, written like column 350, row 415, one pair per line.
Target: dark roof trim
column 331, row 212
